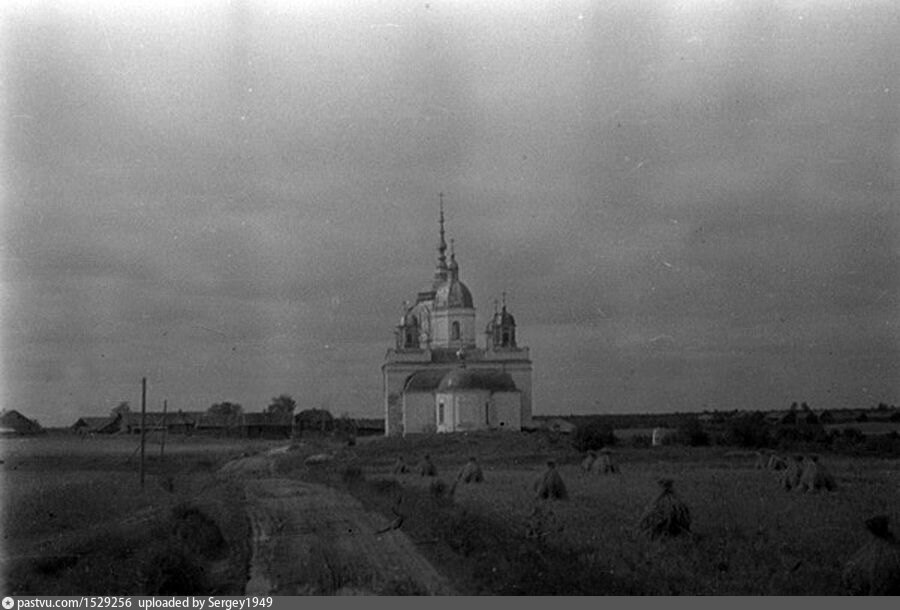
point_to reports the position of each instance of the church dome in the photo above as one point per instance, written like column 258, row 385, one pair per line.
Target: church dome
column 470, row 379
column 453, row 294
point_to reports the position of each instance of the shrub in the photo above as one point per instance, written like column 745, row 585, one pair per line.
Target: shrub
column 692, row 433
column 592, row 435
column 749, row 430
column 787, row 436
column 197, row 532
column 641, row 441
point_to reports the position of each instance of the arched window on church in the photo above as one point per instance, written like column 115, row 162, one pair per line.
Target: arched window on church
column 505, row 338
column 454, row 330
column 441, row 413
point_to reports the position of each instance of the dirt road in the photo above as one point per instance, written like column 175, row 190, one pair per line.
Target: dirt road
column 310, row 539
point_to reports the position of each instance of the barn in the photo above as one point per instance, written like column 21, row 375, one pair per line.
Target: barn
column 13, row 423
column 98, row 425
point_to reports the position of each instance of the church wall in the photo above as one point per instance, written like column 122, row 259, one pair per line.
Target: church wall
column 506, row 412
column 471, row 408
column 521, row 374
column 442, row 320
column 395, row 377
column 419, row 414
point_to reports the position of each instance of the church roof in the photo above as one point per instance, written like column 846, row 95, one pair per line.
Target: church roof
column 425, row 381
column 14, row 422
column 452, row 294
column 474, row 379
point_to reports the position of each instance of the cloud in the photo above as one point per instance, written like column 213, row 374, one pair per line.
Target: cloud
column 687, row 198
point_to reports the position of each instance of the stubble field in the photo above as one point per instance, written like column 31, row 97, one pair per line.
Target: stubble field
column 74, row 513
column 749, row 536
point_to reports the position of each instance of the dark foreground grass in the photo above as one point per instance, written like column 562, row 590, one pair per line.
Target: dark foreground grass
column 199, row 545
column 83, row 524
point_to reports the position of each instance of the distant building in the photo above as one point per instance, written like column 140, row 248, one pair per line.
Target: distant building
column 249, row 425
column 436, row 379
column 98, row 425
column 13, row 423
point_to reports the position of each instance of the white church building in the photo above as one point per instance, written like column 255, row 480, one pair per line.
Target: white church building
column 436, row 379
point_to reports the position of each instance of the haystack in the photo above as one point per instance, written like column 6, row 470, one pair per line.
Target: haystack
column 875, row 568
column 426, row 467
column 667, row 515
column 400, row 466
column 471, row 472
column 815, row 476
column 551, row 486
column 588, row 461
column 790, row 476
column 604, row 463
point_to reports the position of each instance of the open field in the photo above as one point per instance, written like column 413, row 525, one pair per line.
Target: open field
column 76, row 519
column 750, row 537
column 74, row 513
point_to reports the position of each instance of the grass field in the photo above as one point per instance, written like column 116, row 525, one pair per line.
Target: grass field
column 75, row 519
column 750, row 537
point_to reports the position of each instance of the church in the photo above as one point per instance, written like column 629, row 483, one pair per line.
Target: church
column 436, row 378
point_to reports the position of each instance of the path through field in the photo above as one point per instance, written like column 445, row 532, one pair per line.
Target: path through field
column 310, row 539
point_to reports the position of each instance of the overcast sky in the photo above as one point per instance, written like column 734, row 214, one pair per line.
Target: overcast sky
column 691, row 205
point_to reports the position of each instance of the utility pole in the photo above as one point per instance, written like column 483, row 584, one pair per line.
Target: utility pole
column 165, row 432
column 143, row 424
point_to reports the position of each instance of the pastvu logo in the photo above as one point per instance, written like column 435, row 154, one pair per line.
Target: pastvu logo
column 8, row 603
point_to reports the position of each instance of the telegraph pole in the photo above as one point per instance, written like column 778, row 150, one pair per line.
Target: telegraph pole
column 165, row 432
column 143, row 424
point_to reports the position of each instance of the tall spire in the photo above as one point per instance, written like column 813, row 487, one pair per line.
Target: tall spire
column 440, row 273
column 442, row 245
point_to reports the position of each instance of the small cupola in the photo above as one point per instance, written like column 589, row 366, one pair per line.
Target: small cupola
column 501, row 330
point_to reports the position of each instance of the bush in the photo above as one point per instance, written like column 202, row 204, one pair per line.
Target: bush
column 641, row 441
column 750, row 430
column 197, row 533
column 787, row 436
column 592, row 436
column 692, row 433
